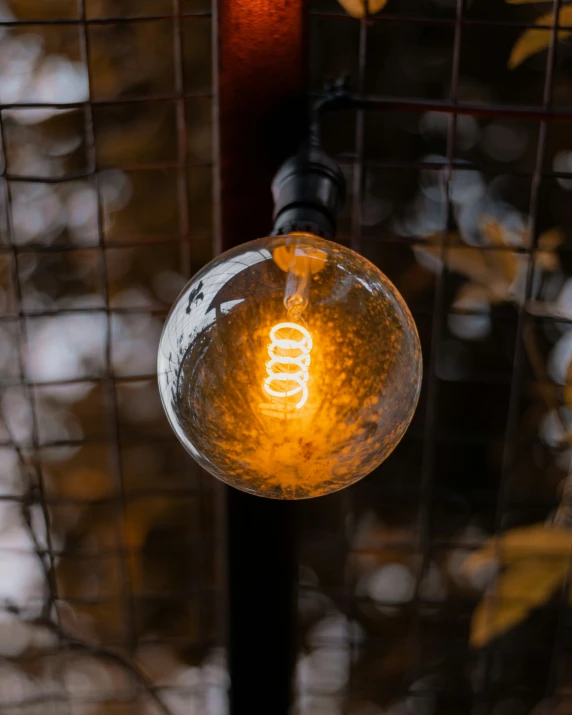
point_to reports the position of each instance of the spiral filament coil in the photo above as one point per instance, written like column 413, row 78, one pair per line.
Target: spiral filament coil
column 287, row 369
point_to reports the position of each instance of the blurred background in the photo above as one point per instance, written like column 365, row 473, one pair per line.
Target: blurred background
column 440, row 583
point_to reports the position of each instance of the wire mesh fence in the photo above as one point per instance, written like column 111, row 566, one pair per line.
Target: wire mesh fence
column 110, row 546
column 459, row 171
column 434, row 586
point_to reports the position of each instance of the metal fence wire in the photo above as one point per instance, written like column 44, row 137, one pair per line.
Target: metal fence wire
column 109, row 534
column 439, row 584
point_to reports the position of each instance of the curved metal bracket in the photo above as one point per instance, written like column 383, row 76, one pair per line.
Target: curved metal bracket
column 309, row 189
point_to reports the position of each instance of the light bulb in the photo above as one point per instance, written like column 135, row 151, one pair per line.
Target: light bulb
column 289, row 367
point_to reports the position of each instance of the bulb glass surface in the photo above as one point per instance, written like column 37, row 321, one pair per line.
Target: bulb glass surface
column 289, row 367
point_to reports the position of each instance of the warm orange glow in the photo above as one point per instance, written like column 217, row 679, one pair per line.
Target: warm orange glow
column 285, row 402
column 289, row 352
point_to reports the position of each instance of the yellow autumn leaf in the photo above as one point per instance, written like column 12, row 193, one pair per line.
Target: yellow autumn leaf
column 497, row 234
column 492, row 273
column 524, row 586
column 547, row 244
column 495, row 273
column 525, row 542
column 536, row 540
column 551, row 239
column 357, row 8
column 470, row 263
column 533, row 41
column 472, row 295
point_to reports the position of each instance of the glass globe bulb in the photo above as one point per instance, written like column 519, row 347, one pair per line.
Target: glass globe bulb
column 289, row 367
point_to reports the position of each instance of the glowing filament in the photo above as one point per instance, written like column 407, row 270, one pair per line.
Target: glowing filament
column 289, row 362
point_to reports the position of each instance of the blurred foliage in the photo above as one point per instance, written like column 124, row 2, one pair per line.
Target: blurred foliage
column 533, row 561
column 128, row 518
column 456, row 571
column 495, row 276
column 533, row 41
column 359, row 8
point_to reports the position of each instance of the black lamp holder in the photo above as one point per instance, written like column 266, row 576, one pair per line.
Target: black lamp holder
column 309, row 188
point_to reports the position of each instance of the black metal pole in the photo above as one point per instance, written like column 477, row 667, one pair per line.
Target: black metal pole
column 262, row 574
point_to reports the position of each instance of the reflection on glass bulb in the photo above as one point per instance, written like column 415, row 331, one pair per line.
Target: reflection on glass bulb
column 288, row 365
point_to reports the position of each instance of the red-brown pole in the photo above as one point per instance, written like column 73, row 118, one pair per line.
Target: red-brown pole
column 261, row 98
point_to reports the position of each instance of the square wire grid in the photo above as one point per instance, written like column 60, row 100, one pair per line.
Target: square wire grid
column 456, row 194
column 109, row 544
column 108, row 551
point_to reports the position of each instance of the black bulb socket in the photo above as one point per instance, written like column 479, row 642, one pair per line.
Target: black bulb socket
column 309, row 191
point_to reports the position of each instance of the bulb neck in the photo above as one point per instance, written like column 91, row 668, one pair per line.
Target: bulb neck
column 296, row 293
column 309, row 191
